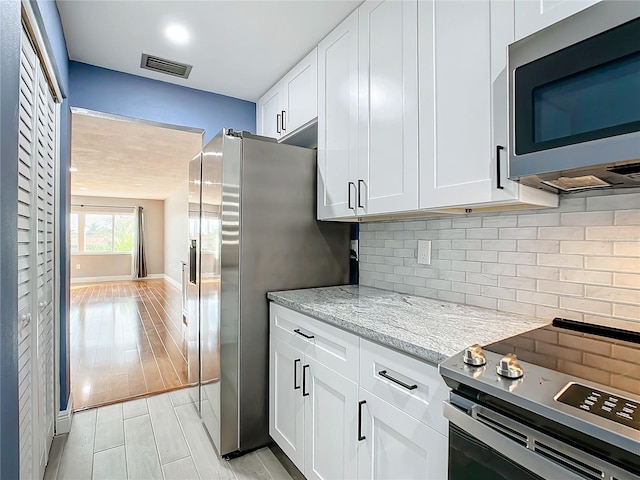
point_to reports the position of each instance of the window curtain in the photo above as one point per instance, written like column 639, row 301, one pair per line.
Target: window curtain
column 139, row 259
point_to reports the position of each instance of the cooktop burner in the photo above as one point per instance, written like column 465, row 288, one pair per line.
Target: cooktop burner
column 604, row 355
column 585, row 377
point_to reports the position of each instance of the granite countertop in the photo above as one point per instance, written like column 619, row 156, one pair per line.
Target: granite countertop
column 432, row 330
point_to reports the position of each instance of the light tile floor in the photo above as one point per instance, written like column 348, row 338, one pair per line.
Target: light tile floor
column 159, row 437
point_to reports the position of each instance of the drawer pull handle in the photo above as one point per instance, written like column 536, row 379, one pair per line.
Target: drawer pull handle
column 297, row 330
column 295, row 374
column 383, row 373
column 304, row 381
column 360, row 435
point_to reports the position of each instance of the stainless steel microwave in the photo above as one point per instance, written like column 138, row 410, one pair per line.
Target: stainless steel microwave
column 574, row 101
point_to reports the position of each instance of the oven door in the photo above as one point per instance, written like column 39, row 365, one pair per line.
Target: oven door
column 484, row 444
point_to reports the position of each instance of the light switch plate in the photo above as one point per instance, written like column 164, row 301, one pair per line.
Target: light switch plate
column 424, row 252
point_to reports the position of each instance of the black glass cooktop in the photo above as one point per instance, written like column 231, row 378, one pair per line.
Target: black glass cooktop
column 608, row 356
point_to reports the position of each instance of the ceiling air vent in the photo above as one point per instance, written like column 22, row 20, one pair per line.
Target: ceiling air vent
column 163, row 65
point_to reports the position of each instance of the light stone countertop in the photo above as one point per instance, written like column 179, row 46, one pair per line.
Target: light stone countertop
column 429, row 329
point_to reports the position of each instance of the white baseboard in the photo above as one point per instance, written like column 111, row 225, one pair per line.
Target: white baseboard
column 171, row 281
column 63, row 421
column 115, row 278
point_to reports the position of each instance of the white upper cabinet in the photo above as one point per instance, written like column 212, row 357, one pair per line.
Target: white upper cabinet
column 300, row 94
column 534, row 15
column 463, row 106
column 388, row 136
column 270, row 112
column 292, row 102
column 338, row 120
column 367, row 113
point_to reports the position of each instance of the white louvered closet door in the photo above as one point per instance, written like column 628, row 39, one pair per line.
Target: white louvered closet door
column 36, row 173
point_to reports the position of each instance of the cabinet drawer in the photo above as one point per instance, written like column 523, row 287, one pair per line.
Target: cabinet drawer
column 329, row 345
column 413, row 386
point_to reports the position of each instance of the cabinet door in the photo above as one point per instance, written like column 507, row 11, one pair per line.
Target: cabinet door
column 331, row 417
column 457, row 160
column 300, row 88
column 534, row 15
column 397, row 446
column 286, row 405
column 388, row 138
column 338, row 120
column 270, row 112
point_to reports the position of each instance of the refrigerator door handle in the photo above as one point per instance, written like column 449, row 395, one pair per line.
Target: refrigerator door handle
column 193, row 249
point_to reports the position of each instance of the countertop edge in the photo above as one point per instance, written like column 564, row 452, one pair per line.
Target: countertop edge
column 421, row 353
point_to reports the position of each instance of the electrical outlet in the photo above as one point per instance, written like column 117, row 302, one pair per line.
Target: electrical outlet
column 424, row 252
column 77, row 266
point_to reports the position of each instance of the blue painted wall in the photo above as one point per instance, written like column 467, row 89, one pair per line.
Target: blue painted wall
column 119, row 93
column 9, row 75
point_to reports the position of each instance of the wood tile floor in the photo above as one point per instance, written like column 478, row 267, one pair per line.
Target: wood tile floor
column 126, row 341
column 159, row 437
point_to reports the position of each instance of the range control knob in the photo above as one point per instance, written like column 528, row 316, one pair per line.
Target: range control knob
column 474, row 356
column 509, row 366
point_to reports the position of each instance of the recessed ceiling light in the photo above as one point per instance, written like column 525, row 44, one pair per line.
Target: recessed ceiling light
column 177, row 34
column 84, row 188
column 73, row 169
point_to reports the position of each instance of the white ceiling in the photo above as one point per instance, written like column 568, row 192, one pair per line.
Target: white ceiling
column 237, row 48
column 124, row 159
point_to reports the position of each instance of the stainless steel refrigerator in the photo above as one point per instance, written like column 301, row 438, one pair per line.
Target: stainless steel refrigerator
column 252, row 229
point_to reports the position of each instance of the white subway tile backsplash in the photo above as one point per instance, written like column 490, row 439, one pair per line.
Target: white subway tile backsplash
column 579, row 261
column 464, row 266
column 537, row 298
column 499, row 269
column 626, row 233
column 618, row 295
column 478, row 301
column 539, row 246
column 614, row 201
column 586, row 218
column 630, row 280
column 561, row 288
column 586, row 277
column 539, row 220
column 482, row 278
column 585, row 306
column 518, row 258
column 519, row 283
column 586, row 247
column 527, row 233
column 499, row 245
column 627, row 217
column 482, row 256
column 558, row 260
column 500, row 221
column 545, row 273
column 561, row 233
column 613, row 264
column 629, row 249
column 482, row 233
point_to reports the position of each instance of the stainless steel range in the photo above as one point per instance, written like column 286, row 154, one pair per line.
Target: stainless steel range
column 561, row 401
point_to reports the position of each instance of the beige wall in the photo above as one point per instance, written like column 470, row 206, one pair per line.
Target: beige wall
column 96, row 265
column 176, row 232
column 580, row 261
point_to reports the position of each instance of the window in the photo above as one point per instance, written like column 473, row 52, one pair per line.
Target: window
column 97, row 232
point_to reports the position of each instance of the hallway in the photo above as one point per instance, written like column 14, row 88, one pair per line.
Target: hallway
column 159, row 437
column 126, row 341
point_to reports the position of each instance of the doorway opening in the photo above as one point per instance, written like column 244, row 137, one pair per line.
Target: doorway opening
column 128, row 231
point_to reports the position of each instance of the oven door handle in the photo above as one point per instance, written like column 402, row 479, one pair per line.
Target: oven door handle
column 506, row 447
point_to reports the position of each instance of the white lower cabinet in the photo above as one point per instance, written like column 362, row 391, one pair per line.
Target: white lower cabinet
column 341, row 407
column 330, row 421
column 286, row 406
column 396, row 445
